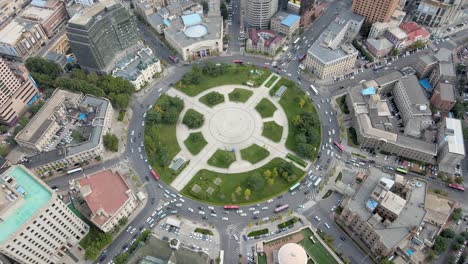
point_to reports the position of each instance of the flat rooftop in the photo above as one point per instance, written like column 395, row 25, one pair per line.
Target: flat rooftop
column 84, row 16
column 213, row 26
column 454, row 136
column 12, row 32
column 38, row 13
column 290, row 19
column 33, row 195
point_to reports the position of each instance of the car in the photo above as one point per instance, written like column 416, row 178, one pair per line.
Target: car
column 317, row 218
column 190, row 209
column 124, row 246
column 243, row 214
column 143, row 123
column 333, row 209
column 327, row 225
column 201, row 212
column 256, row 212
column 251, row 209
column 342, row 238
column 225, row 219
column 235, row 237
column 133, row 132
column 133, row 230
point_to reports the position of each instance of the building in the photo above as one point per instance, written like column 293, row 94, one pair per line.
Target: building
column 451, row 150
column 374, row 11
column 397, row 37
column 101, row 34
column 8, row 8
column 292, row 253
column 86, row 2
column 438, row 13
column 378, row 28
column 304, row 9
column 415, row 33
column 285, row 24
column 263, row 42
column 64, row 113
column 108, row 198
column 331, row 54
column 37, row 227
column 50, row 14
column 378, row 129
column 195, row 37
column 259, row 13
column 17, row 91
column 424, row 66
column 379, row 47
column 21, row 38
column 443, row 97
column 138, row 69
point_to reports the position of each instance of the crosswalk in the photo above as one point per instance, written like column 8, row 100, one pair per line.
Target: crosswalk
column 233, row 226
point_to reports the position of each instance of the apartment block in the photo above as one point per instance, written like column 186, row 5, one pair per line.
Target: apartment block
column 451, row 149
column 424, row 66
column 443, row 97
column 375, row 11
column 438, row 13
column 17, row 91
column 37, row 227
column 49, row 14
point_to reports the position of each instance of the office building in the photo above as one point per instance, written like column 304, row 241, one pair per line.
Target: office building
column 195, row 37
column 375, row 11
column 332, row 54
column 21, row 38
column 37, row 227
column 17, row 91
column 108, row 198
column 438, row 13
column 285, row 24
column 102, row 34
column 451, row 150
column 259, row 13
column 378, row 28
column 50, row 14
column 263, row 42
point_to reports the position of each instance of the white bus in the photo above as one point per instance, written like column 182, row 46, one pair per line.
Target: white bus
column 317, row 182
column 285, row 48
column 297, row 40
column 74, row 170
column 313, row 89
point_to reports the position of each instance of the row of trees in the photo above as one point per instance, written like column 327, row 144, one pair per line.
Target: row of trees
column 306, row 123
column 48, row 75
column 209, row 68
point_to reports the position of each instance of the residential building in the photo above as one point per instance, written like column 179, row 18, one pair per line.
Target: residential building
column 263, row 42
column 379, row 47
column 443, row 97
column 88, row 115
column 17, row 91
column 8, row 8
column 438, row 13
column 331, row 54
column 396, row 36
column 424, row 65
column 285, row 24
column 108, row 198
column 50, row 14
column 374, row 11
column 37, row 227
column 195, row 37
column 259, row 13
column 138, row 69
column 451, row 150
column 414, row 32
column 21, row 38
column 378, row 28
column 102, row 34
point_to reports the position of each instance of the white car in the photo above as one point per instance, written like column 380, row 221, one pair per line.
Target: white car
column 225, row 219
column 243, row 214
column 201, row 212
column 327, row 225
column 190, row 209
column 251, row 209
column 256, row 212
column 317, row 218
column 143, row 123
column 179, row 205
column 211, row 207
column 133, row 132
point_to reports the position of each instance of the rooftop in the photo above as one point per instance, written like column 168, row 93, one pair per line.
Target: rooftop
column 380, row 44
column 290, row 20
column 105, row 193
column 397, row 32
column 446, row 92
column 292, row 253
column 414, row 90
column 178, row 31
column 438, row 208
column 192, row 19
column 131, row 66
column 413, row 30
column 268, row 36
column 85, row 15
column 454, row 136
column 28, row 195
column 13, row 31
column 38, row 13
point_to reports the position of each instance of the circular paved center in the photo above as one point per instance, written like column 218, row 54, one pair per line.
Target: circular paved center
column 232, row 125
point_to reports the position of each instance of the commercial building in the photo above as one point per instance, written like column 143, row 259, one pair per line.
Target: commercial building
column 285, row 24
column 138, row 69
column 50, row 14
column 379, row 47
column 263, row 41
column 46, row 133
column 438, row 13
column 37, row 227
column 332, row 54
column 108, row 198
column 375, row 11
column 8, row 8
column 259, row 13
column 195, row 37
column 451, row 149
column 21, row 38
column 101, row 34
column 17, row 91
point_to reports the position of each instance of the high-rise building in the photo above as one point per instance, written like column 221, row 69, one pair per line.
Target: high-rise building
column 102, row 34
column 17, row 91
column 437, row 13
column 259, row 12
column 35, row 225
column 375, row 11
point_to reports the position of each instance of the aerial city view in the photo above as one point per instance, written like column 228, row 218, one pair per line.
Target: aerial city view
column 233, row 131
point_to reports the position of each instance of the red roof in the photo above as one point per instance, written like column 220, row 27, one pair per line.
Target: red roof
column 254, row 36
column 108, row 192
column 414, row 31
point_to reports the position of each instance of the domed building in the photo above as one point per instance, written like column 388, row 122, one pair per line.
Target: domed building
column 292, row 253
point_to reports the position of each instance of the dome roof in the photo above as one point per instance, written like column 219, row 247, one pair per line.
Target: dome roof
column 292, row 253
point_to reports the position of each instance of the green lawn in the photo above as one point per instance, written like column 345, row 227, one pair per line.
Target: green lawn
column 262, row 259
column 240, row 95
column 265, row 108
column 254, row 153
column 290, row 103
column 225, row 191
column 271, row 81
column 317, row 251
column 212, row 99
column 195, row 142
column 272, row 131
column 222, row 158
column 235, row 74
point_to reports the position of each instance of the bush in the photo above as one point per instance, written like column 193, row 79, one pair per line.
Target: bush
column 258, row 232
column 288, row 223
column 457, row 214
column 193, row 119
column 447, row 233
column 111, row 142
column 166, row 111
column 121, row 115
column 256, row 181
column 296, row 159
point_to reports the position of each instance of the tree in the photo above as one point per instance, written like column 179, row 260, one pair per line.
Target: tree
column 214, row 98
column 238, row 190
column 224, row 11
column 275, row 173
column 267, row 173
column 247, row 193
column 301, row 103
column 35, row 108
column 271, row 181
column 43, row 66
column 255, row 181
column 430, row 255
column 395, row 52
column 193, row 119
column 23, row 121
column 440, row 244
column 447, row 233
column 123, row 221
column 457, row 213
column 3, row 129
column 111, row 142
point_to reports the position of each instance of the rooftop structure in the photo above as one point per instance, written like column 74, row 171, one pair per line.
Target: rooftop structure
column 451, row 146
column 50, row 14
column 292, row 253
column 21, row 38
column 379, row 47
column 285, row 24
column 263, row 41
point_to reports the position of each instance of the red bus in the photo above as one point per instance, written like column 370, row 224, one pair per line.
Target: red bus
column 339, row 146
column 231, row 207
column 456, row 187
column 155, row 175
column 238, row 61
column 281, row 208
column 173, row 59
column 301, row 57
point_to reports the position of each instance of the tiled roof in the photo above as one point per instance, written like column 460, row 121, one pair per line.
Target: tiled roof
column 255, row 34
column 413, row 30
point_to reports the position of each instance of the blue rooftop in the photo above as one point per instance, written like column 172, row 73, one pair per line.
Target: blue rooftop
column 368, row 91
column 192, row 19
column 409, row 251
column 425, row 84
column 371, row 204
column 166, row 22
column 290, row 20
